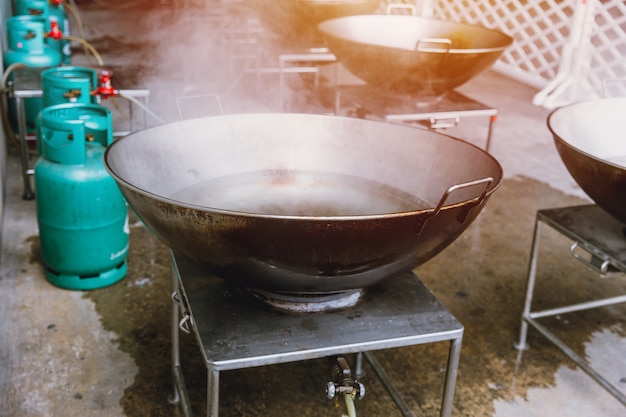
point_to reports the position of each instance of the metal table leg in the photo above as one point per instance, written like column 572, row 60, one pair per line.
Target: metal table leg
column 576, row 223
column 213, row 393
column 451, row 374
column 26, row 170
column 179, row 394
column 530, row 286
column 492, row 120
column 386, row 381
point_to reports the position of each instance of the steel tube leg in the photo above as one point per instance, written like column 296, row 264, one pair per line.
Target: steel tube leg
column 358, row 365
column 451, row 374
column 21, row 126
column 530, row 285
column 175, row 398
column 281, row 85
column 386, row 382
column 179, row 395
column 213, row 393
column 492, row 119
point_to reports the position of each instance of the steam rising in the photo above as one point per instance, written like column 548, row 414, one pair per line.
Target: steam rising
column 208, row 53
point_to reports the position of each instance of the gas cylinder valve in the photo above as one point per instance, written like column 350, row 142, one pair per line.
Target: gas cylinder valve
column 105, row 89
column 342, row 382
column 55, row 31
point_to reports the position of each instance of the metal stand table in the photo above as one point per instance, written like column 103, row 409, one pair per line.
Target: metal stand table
column 234, row 332
column 306, row 61
column 444, row 112
column 27, row 84
column 602, row 238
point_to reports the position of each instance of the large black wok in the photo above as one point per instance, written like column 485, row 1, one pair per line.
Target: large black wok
column 410, row 54
column 302, row 203
column 590, row 139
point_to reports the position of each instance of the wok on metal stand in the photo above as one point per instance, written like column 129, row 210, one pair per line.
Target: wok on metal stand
column 602, row 237
column 238, row 333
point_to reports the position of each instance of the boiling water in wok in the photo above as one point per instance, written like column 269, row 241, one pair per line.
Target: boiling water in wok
column 300, row 202
column 299, row 193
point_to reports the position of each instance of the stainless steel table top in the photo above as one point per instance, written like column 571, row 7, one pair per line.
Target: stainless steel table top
column 591, row 226
column 235, row 331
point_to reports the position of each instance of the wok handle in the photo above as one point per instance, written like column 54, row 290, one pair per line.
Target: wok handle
column 469, row 205
column 433, row 45
column 197, row 99
column 411, row 7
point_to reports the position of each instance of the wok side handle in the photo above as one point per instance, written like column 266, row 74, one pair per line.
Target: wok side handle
column 468, row 206
column 215, row 97
column 399, row 6
column 433, row 45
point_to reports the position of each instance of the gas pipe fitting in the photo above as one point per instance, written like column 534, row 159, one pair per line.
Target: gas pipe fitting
column 105, row 88
column 55, row 30
column 342, row 382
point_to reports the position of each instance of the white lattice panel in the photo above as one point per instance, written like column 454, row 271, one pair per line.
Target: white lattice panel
column 573, row 49
column 606, row 68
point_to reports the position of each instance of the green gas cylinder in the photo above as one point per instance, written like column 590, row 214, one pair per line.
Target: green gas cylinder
column 26, row 45
column 82, row 215
column 69, row 85
column 54, row 12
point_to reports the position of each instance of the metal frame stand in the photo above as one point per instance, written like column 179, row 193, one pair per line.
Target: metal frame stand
column 598, row 243
column 299, row 62
column 442, row 113
column 27, row 84
column 235, row 332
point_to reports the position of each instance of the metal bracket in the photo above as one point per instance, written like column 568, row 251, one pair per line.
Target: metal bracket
column 596, row 263
column 186, row 323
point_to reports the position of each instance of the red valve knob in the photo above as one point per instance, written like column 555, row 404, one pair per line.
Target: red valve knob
column 105, row 89
column 56, row 2
column 55, row 30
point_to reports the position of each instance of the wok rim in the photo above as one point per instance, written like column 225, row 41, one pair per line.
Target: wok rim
column 497, row 180
column 565, row 142
column 457, row 51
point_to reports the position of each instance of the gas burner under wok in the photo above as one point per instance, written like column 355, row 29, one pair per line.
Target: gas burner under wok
column 308, row 302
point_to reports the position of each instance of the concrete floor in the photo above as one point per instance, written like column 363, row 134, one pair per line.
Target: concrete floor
column 106, row 352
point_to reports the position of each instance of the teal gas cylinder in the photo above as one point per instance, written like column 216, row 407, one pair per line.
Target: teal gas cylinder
column 26, row 45
column 82, row 216
column 52, row 11
column 69, row 85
